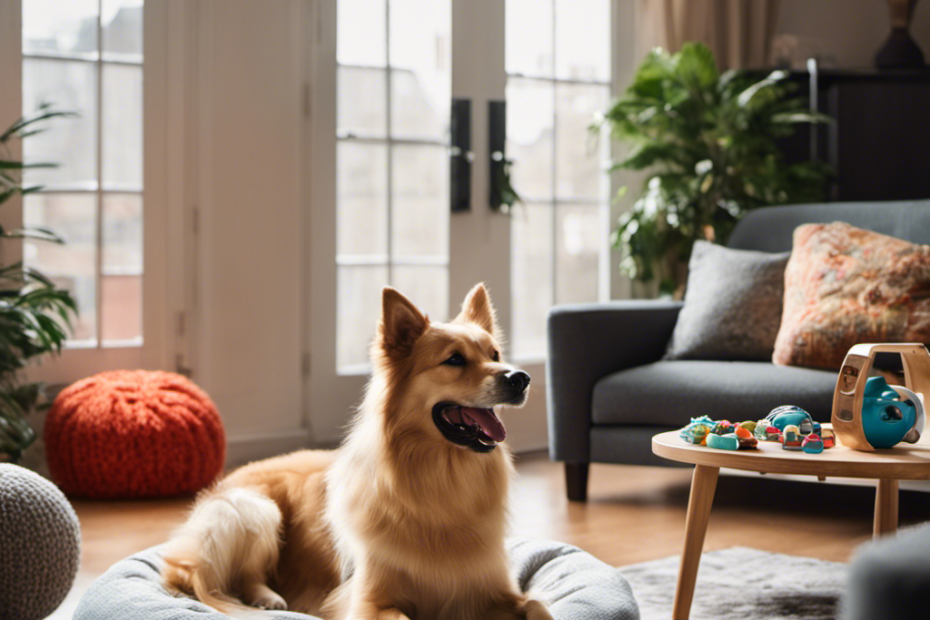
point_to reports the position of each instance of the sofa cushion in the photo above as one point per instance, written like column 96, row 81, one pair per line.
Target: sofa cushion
column 845, row 285
column 670, row 393
column 732, row 305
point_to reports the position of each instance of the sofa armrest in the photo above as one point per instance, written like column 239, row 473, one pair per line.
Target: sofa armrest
column 889, row 578
column 588, row 342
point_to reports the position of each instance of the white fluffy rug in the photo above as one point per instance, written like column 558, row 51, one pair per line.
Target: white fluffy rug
column 742, row 584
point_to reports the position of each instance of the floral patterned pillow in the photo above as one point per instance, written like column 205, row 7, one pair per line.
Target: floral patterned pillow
column 845, row 285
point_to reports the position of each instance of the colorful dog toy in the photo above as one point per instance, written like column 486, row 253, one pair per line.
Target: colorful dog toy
column 791, row 438
column 723, row 442
column 812, row 444
column 780, row 417
column 697, row 431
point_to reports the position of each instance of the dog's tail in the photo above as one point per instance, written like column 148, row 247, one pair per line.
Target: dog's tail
column 229, row 544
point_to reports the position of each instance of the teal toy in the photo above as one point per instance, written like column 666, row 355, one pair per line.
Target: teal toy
column 812, row 444
column 867, row 412
column 792, row 415
column 723, row 442
column 888, row 413
column 696, row 432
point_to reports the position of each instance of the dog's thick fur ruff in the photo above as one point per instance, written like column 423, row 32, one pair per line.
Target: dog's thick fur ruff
column 400, row 522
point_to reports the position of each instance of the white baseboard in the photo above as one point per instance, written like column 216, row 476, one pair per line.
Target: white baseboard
column 247, row 448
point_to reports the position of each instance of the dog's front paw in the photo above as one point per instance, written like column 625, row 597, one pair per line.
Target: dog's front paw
column 264, row 597
column 536, row 611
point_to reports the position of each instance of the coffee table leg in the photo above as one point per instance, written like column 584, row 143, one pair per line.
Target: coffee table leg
column 703, row 485
column 886, row 508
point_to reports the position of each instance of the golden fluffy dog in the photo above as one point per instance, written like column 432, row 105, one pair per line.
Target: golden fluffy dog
column 405, row 520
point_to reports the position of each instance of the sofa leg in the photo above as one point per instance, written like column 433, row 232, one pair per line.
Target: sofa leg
column 576, row 481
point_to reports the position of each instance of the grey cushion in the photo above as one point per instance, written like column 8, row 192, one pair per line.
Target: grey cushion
column 669, row 393
column 574, row 584
column 890, row 578
column 732, row 306
column 40, row 545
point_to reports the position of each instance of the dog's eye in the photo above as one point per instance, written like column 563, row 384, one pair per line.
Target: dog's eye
column 456, row 359
column 495, row 357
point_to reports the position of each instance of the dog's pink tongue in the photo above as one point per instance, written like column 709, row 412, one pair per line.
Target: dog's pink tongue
column 488, row 422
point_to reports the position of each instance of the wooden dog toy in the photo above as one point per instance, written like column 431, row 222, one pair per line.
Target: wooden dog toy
column 866, row 416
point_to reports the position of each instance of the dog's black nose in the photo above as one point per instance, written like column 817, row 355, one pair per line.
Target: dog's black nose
column 517, row 379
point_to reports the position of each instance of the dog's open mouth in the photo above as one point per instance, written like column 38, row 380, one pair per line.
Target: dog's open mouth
column 474, row 428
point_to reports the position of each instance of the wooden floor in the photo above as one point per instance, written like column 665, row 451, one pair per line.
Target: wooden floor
column 633, row 514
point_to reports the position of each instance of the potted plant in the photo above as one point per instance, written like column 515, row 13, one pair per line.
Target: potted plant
column 709, row 142
column 34, row 312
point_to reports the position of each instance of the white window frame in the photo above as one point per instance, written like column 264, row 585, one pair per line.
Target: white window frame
column 603, row 205
column 389, row 260
column 156, row 350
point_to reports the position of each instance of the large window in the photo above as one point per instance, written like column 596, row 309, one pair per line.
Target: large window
column 558, row 78
column 392, row 211
column 85, row 56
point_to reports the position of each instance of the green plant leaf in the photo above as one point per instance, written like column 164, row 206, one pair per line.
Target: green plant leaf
column 7, row 164
column 711, row 141
column 695, row 66
column 746, row 97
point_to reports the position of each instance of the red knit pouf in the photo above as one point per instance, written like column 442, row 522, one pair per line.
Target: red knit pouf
column 134, row 433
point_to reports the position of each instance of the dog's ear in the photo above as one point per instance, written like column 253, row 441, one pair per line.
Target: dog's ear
column 477, row 309
column 400, row 325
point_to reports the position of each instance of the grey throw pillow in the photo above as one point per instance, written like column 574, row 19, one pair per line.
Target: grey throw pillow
column 732, row 305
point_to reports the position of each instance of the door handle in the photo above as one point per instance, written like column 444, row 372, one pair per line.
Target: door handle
column 460, row 156
column 497, row 142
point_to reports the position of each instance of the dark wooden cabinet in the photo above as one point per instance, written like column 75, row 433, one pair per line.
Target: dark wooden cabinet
column 879, row 144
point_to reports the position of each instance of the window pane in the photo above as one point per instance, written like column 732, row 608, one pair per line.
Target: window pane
column 528, row 37
column 416, row 113
column 74, row 264
column 361, row 195
column 60, row 28
column 582, row 39
column 529, row 136
column 361, row 32
column 122, row 234
column 362, row 102
column 580, row 239
column 427, row 287
column 421, row 87
column 122, row 127
column 122, row 29
column 121, row 310
column 420, row 202
column 121, row 280
column 531, row 283
column 358, row 300
column 70, row 142
column 581, row 158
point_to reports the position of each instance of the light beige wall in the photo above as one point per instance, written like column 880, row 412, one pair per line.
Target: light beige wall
column 850, row 31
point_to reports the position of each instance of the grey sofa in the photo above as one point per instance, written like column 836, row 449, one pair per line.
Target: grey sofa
column 890, row 578
column 609, row 390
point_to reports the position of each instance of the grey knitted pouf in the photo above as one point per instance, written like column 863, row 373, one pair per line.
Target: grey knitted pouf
column 40, row 545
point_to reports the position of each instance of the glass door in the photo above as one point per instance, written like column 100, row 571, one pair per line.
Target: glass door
column 383, row 76
column 393, row 84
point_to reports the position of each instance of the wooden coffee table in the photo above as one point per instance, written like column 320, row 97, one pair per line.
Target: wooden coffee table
column 904, row 462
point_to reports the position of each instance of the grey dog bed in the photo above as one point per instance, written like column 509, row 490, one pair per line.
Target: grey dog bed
column 574, row 584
